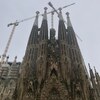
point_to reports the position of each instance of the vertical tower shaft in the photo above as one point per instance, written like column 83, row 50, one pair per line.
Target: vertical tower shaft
column 28, row 75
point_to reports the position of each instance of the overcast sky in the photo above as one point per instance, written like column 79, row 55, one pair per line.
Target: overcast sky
column 84, row 15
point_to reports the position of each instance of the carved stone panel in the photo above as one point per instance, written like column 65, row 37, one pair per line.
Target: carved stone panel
column 54, row 90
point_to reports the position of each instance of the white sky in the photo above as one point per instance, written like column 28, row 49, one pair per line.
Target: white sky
column 85, row 18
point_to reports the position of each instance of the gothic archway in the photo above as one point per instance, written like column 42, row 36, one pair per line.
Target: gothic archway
column 54, row 95
column 54, row 90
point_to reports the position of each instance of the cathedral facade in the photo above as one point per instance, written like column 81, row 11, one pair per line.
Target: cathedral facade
column 53, row 68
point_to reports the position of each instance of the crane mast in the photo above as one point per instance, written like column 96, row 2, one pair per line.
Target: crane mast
column 52, row 19
column 9, row 40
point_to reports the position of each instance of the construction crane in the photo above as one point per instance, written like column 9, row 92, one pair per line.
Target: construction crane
column 9, row 40
column 17, row 23
column 56, row 10
column 52, row 19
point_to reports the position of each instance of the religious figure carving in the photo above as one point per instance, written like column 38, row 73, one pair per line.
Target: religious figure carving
column 30, row 88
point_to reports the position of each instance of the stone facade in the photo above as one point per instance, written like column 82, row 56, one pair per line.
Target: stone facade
column 54, row 69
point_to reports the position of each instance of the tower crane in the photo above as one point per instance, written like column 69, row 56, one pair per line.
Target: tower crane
column 56, row 10
column 17, row 23
column 9, row 40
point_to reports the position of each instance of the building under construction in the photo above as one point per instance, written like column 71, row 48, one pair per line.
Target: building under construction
column 52, row 68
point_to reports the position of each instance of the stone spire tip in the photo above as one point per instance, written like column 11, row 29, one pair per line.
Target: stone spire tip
column 60, row 10
column 15, row 57
column 37, row 13
column 36, row 20
column 45, row 13
column 67, row 14
column 95, row 69
column 60, row 14
column 68, row 20
column 45, row 8
column 89, row 65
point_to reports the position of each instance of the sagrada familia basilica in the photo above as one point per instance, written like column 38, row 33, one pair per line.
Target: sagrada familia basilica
column 52, row 68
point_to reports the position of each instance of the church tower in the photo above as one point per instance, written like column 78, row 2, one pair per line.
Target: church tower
column 53, row 69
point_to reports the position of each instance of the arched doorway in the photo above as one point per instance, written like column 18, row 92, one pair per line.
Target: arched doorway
column 54, row 90
column 54, row 94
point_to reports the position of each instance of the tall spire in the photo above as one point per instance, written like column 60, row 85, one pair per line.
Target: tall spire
column 33, row 39
column 91, row 72
column 71, row 34
column 43, row 42
column 44, row 26
column 97, row 75
column 68, row 20
column 60, row 14
column 45, row 14
column 62, row 40
column 31, row 46
column 29, row 64
column 36, row 19
column 74, row 51
column 93, row 82
column 61, row 27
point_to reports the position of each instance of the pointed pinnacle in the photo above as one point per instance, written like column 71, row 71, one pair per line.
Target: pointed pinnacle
column 45, row 13
column 68, row 20
column 60, row 9
column 95, row 69
column 45, row 8
column 67, row 14
column 36, row 19
column 15, row 57
column 37, row 13
column 89, row 65
column 60, row 14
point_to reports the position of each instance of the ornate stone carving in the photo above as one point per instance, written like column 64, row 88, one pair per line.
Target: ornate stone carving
column 53, row 83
